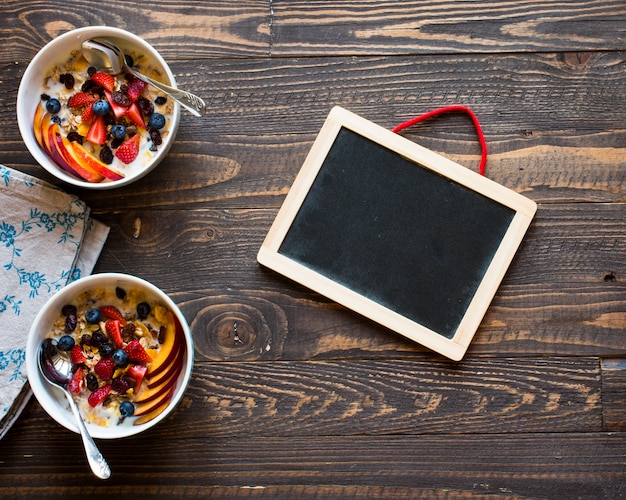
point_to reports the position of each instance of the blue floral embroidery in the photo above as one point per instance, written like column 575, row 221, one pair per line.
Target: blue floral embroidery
column 65, row 220
column 15, row 357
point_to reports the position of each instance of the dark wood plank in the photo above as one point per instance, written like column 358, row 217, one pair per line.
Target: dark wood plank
column 614, row 389
column 251, row 28
column 374, row 397
column 450, row 466
column 442, row 26
column 563, row 294
column 207, row 29
column 552, row 128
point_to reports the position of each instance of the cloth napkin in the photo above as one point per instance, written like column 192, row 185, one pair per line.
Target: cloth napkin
column 47, row 239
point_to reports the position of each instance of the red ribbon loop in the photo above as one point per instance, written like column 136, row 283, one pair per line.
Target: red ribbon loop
column 453, row 109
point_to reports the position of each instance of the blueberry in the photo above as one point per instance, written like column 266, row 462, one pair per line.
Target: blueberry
column 98, row 338
column 143, row 309
column 101, row 107
column 65, row 343
column 127, row 409
column 93, row 315
column 106, row 349
column 118, row 131
column 157, row 121
column 53, row 106
column 120, row 358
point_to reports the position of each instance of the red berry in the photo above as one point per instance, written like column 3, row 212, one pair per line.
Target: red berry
column 77, row 356
column 120, row 385
column 113, row 312
column 104, row 80
column 97, row 133
column 136, row 353
column 87, row 114
column 135, row 89
column 135, row 116
column 129, row 150
column 105, row 368
column 77, row 383
column 97, row 396
column 137, row 372
column 114, row 332
column 80, row 99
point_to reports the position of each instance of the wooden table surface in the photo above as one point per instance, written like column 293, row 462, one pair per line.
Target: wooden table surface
column 314, row 401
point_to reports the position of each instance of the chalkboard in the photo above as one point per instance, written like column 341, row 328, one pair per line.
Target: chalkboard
column 397, row 233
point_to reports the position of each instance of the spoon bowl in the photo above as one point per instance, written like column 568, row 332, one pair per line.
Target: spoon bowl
column 56, row 367
column 108, row 57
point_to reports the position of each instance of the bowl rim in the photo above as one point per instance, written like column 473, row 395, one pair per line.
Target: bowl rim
column 52, row 399
column 24, row 114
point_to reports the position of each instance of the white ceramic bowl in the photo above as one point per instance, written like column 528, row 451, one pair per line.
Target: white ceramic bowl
column 58, row 51
column 51, row 398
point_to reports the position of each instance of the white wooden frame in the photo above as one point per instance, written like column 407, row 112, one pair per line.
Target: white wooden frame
column 453, row 348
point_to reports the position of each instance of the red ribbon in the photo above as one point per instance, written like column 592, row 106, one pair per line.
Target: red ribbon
column 453, row 109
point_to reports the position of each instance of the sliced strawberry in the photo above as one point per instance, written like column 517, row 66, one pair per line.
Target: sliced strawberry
column 77, row 356
column 104, row 80
column 114, row 332
column 97, row 133
column 137, row 373
column 80, row 99
column 112, row 312
column 128, row 151
column 118, row 110
column 135, row 116
column 97, row 396
column 104, row 368
column 136, row 353
column 135, row 89
column 87, row 114
column 77, row 382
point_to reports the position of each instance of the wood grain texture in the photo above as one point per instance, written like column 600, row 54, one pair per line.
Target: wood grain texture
column 558, row 296
column 552, row 131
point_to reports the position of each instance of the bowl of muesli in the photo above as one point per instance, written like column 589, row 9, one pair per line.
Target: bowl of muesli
column 90, row 128
column 131, row 352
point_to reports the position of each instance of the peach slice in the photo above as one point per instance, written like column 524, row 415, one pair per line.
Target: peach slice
column 146, row 407
column 48, row 134
column 150, row 413
column 175, row 366
column 84, row 157
column 153, row 392
column 64, row 147
column 169, row 348
column 39, row 114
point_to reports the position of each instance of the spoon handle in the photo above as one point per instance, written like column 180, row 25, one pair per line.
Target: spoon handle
column 98, row 464
column 190, row 102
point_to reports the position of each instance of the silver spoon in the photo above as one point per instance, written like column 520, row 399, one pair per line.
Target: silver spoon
column 56, row 367
column 108, row 57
